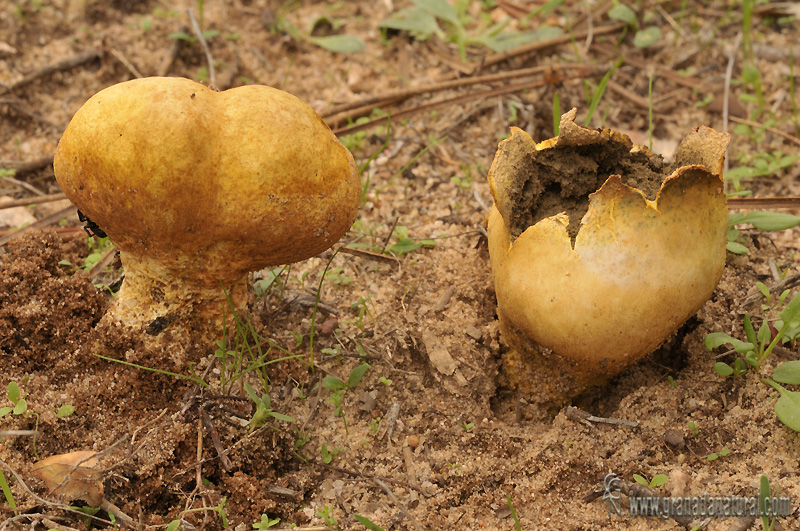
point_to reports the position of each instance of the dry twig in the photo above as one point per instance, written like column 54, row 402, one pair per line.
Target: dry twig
column 65, row 64
column 25, row 201
column 28, row 166
column 212, row 76
column 398, row 503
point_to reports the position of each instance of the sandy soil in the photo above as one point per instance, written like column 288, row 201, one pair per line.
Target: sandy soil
column 433, row 436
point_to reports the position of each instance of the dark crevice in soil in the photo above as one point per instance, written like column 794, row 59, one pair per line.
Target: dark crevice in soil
column 561, row 179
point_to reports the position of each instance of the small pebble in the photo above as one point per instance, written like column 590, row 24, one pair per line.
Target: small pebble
column 329, row 325
column 412, row 441
column 674, row 438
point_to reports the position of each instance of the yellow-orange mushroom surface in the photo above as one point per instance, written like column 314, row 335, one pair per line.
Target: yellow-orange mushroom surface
column 197, row 187
column 604, row 293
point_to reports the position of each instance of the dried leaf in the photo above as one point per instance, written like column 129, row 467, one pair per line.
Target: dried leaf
column 72, row 476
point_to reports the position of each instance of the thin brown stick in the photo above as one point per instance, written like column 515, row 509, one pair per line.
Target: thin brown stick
column 351, row 109
column 631, row 96
column 773, row 130
column 215, row 440
column 772, row 203
column 369, row 255
column 101, row 264
column 127, row 64
column 21, row 108
column 199, row 469
column 177, row 44
column 451, row 101
column 27, row 166
column 23, row 184
column 54, row 525
column 58, row 230
column 391, row 233
column 212, row 76
column 370, row 477
column 25, row 201
column 398, row 503
column 727, row 91
column 65, row 64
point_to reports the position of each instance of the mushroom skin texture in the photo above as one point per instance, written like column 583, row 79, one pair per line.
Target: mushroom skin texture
column 576, row 312
column 196, row 188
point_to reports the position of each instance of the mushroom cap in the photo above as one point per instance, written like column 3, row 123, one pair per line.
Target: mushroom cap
column 638, row 268
column 215, row 184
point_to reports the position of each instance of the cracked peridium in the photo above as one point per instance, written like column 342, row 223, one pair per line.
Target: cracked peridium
column 561, row 179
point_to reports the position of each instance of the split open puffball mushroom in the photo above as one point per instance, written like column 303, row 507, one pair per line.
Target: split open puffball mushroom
column 196, row 188
column 601, row 277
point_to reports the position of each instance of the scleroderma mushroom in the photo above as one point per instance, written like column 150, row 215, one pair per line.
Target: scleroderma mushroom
column 196, row 188
column 590, row 280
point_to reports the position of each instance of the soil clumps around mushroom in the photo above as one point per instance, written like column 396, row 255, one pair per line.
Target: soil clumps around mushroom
column 46, row 305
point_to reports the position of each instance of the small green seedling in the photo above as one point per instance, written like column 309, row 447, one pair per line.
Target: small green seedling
column 713, row 456
column 374, row 424
column 787, row 408
column 88, row 511
column 643, row 38
column 758, row 347
column 18, row 404
column 302, row 440
column 768, row 221
column 422, row 22
column 326, row 513
column 329, row 453
column 337, row 43
column 759, row 344
column 362, row 306
column 266, row 522
column 65, row 411
column 405, row 244
column 657, row 481
column 693, row 427
column 339, row 388
column 366, row 522
column 270, row 281
column 466, row 426
column 597, row 93
column 337, row 276
column 219, row 509
column 263, row 410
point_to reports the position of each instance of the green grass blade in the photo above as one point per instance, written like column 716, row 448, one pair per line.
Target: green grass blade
column 7, row 492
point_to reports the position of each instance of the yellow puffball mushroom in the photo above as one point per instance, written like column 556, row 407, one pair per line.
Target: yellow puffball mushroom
column 196, row 188
column 600, row 277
